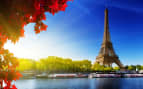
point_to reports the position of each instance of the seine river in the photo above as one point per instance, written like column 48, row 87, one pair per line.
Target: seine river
column 81, row 83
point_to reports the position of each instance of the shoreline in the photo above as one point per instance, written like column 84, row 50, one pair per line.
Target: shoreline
column 75, row 75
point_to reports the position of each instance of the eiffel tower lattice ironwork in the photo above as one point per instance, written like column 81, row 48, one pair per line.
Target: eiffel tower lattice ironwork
column 107, row 55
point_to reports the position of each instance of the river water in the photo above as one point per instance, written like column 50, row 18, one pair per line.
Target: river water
column 81, row 83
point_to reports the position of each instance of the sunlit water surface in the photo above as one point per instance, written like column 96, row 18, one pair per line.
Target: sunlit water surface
column 81, row 83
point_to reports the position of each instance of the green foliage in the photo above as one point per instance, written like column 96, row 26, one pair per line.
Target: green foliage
column 116, row 68
column 107, row 69
column 26, row 65
column 54, row 64
column 142, row 67
column 134, row 67
column 138, row 67
column 97, row 67
column 131, row 67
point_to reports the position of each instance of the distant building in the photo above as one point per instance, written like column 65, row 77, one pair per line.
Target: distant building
column 107, row 55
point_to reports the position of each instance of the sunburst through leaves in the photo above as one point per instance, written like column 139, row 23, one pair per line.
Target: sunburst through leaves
column 14, row 15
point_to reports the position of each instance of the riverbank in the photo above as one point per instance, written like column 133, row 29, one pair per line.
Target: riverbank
column 81, row 75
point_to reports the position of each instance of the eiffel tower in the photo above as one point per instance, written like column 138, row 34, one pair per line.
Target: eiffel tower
column 107, row 55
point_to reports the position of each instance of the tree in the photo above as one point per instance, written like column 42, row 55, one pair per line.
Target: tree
column 142, row 67
column 138, row 67
column 107, row 69
column 131, row 67
column 53, row 64
column 26, row 65
column 98, row 67
column 86, row 65
column 14, row 15
column 126, row 66
column 116, row 68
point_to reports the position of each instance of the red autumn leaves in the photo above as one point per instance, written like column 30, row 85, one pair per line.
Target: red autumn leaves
column 8, row 71
column 14, row 15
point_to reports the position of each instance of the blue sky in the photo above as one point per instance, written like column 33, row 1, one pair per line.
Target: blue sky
column 77, row 33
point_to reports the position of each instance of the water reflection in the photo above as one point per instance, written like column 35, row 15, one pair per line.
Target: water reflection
column 105, row 83
column 63, row 84
column 81, row 83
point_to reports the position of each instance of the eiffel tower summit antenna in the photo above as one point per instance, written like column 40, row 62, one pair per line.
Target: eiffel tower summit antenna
column 107, row 55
